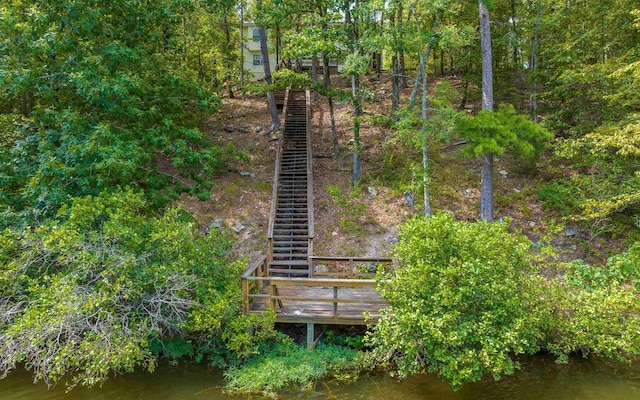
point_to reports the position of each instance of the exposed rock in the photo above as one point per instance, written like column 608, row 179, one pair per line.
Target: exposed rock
column 569, row 232
column 259, row 129
column 409, row 198
column 229, row 129
column 217, row 223
column 394, row 240
column 243, row 130
column 248, row 174
column 334, row 233
column 372, row 191
column 532, row 224
column 467, row 193
column 516, row 190
column 239, row 227
column 503, row 173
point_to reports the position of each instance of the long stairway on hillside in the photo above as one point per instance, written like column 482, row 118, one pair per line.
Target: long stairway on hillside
column 299, row 286
column 291, row 221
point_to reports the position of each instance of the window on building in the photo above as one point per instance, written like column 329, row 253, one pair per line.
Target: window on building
column 257, row 59
column 256, row 34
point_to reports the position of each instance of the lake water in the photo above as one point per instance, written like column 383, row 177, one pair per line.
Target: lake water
column 540, row 378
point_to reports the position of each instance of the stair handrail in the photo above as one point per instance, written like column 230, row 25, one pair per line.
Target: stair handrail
column 276, row 177
column 309, row 178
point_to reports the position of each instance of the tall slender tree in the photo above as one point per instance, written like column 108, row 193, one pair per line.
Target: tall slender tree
column 486, row 189
column 266, row 65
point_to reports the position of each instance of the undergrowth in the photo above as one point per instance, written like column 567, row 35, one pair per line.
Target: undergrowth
column 289, row 364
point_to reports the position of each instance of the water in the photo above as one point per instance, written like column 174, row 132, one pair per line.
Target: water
column 539, row 379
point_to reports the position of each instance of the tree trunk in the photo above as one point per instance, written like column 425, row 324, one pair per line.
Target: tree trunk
column 401, row 70
column 273, row 110
column 395, row 79
column 425, row 147
column 395, row 93
column 242, row 48
column 422, row 68
column 229, row 65
column 314, row 74
column 486, row 190
column 421, row 71
column 465, row 95
column 326, row 80
column 355, row 88
column 534, row 68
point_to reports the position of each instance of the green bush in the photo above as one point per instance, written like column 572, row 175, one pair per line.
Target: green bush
column 463, row 303
column 596, row 309
column 106, row 288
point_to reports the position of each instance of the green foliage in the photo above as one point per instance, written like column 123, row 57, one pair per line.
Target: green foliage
column 104, row 287
column 596, row 309
column 561, row 196
column 102, row 103
column 351, row 212
column 463, row 303
column 441, row 117
column 612, row 150
column 288, row 364
column 282, row 79
column 504, row 130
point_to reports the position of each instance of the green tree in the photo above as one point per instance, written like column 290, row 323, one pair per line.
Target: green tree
column 102, row 103
column 504, row 130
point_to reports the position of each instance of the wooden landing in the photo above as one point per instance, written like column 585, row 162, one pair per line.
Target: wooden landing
column 321, row 304
column 317, row 300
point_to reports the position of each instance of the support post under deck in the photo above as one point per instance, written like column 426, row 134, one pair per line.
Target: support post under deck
column 310, row 336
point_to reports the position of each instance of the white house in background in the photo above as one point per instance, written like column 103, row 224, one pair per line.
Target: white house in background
column 253, row 56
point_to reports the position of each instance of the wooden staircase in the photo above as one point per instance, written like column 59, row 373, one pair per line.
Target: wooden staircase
column 298, row 286
column 291, row 222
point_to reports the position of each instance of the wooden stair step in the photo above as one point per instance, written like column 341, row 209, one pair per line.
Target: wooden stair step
column 290, row 262
column 301, row 231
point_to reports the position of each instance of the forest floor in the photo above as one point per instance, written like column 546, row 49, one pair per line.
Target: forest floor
column 364, row 221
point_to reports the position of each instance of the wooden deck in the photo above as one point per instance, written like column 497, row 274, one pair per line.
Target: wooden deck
column 339, row 292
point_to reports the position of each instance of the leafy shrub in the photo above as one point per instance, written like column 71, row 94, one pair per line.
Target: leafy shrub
column 86, row 293
column 596, row 309
column 463, row 302
column 560, row 196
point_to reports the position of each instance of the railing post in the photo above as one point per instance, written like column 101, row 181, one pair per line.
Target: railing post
column 335, row 302
column 272, row 294
column 245, row 296
column 310, row 336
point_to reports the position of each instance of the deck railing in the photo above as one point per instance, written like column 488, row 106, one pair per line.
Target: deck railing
column 350, row 267
column 276, row 180
column 250, row 283
column 258, row 286
column 309, row 175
